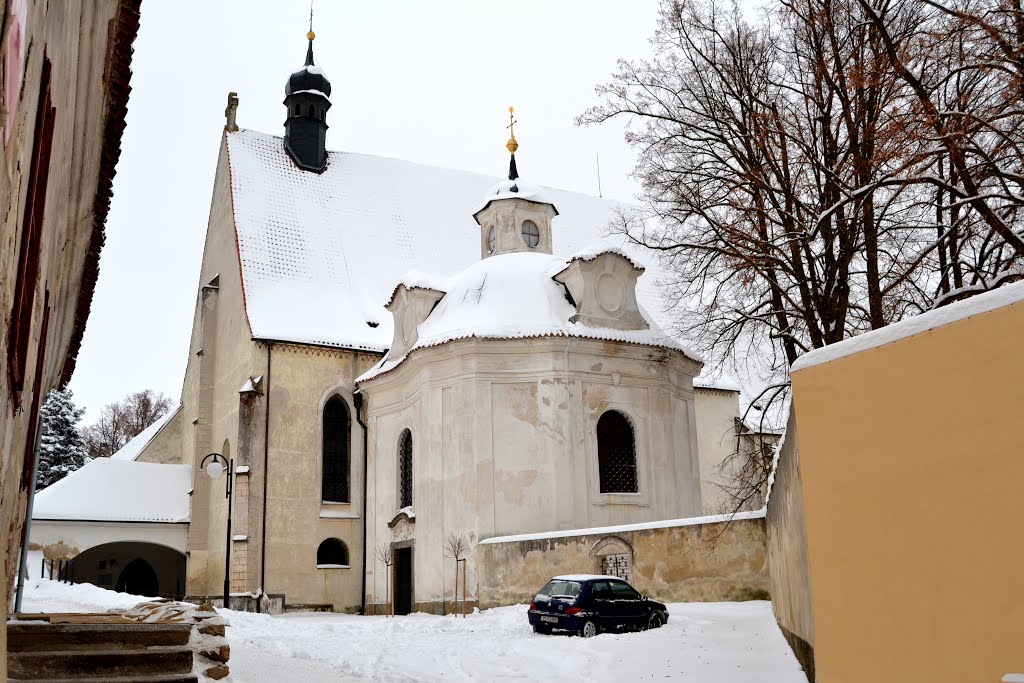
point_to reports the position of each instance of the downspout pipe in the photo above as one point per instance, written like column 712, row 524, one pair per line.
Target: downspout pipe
column 357, row 401
column 266, row 478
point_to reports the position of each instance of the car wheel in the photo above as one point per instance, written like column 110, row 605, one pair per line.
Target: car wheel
column 655, row 620
column 589, row 630
column 543, row 630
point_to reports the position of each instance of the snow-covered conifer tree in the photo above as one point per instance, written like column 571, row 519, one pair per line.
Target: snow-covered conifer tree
column 61, row 450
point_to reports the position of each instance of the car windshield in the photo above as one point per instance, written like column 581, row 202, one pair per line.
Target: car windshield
column 561, row 589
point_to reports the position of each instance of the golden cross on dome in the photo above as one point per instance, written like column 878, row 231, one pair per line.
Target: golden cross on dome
column 511, row 145
column 310, row 35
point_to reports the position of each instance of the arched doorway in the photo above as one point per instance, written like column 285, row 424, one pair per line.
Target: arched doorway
column 138, row 578
column 134, row 567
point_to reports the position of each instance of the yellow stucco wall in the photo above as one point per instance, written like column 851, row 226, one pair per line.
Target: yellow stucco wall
column 912, row 465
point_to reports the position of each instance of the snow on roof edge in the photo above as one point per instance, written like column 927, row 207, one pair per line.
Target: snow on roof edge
column 925, row 322
column 642, row 526
column 379, row 369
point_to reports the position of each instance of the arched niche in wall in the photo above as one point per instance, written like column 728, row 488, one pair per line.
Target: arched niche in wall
column 613, row 556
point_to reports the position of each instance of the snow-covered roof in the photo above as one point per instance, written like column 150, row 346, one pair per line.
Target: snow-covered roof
column 584, row 577
column 516, row 189
column 723, row 383
column 321, row 253
column 976, row 305
column 512, row 296
column 592, row 251
column 133, row 449
column 118, row 491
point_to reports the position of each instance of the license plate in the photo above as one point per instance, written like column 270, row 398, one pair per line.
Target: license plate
column 550, row 620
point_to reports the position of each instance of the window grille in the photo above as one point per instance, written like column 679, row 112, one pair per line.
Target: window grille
column 335, row 488
column 616, row 454
column 405, row 469
column 615, row 565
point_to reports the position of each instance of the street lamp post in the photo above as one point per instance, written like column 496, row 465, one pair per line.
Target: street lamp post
column 214, row 469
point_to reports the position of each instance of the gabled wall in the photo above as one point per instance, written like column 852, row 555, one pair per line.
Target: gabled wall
column 222, row 356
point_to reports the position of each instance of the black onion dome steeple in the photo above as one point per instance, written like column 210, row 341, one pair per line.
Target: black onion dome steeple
column 305, row 129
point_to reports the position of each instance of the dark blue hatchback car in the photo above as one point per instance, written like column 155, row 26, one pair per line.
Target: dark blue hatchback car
column 587, row 604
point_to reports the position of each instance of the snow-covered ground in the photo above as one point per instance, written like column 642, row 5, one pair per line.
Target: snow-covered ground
column 703, row 642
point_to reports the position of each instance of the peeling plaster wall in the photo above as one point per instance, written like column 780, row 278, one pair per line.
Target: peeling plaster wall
column 705, row 562
column 84, row 43
column 504, row 442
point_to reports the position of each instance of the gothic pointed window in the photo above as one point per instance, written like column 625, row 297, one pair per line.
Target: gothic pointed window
column 336, row 460
column 405, row 469
column 616, row 453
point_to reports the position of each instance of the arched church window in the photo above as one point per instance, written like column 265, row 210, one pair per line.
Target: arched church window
column 616, row 453
column 332, row 552
column 405, row 469
column 335, row 484
column 490, row 240
column 531, row 235
column 312, row 111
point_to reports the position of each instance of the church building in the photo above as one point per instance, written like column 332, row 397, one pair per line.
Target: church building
column 397, row 357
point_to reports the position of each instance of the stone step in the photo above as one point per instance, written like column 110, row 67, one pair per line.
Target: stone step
column 86, row 665
column 32, row 637
column 155, row 678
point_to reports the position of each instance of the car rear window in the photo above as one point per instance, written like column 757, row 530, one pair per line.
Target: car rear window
column 561, row 589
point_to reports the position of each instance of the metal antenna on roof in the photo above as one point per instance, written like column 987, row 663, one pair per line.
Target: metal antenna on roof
column 597, row 157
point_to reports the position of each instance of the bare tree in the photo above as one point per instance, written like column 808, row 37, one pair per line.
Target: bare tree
column 834, row 169
column 456, row 546
column 385, row 557
column 122, row 420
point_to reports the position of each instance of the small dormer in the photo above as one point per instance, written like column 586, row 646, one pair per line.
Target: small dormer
column 602, row 284
column 410, row 305
column 515, row 216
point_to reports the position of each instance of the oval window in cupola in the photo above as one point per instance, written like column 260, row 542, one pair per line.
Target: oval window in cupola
column 531, row 235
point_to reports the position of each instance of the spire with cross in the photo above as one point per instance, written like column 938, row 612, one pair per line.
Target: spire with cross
column 512, row 145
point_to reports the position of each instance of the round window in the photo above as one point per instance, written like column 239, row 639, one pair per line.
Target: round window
column 531, row 235
column 490, row 240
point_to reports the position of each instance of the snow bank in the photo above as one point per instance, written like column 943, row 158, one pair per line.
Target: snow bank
column 961, row 310
column 706, row 642
column 133, row 449
column 44, row 595
column 642, row 526
column 118, row 491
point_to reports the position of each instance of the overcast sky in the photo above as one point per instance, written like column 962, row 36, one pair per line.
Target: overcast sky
column 425, row 81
